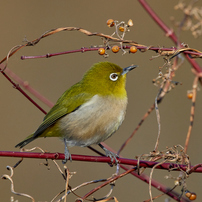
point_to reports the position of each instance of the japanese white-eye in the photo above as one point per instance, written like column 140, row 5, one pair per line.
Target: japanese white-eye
column 90, row 111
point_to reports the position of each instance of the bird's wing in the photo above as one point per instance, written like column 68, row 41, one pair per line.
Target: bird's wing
column 57, row 113
column 62, row 108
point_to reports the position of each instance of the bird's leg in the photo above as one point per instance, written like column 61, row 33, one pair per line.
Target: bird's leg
column 110, row 154
column 67, row 154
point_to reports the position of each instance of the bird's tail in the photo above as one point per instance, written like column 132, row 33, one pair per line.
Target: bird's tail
column 26, row 141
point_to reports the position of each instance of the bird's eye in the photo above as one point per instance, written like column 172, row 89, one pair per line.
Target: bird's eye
column 113, row 76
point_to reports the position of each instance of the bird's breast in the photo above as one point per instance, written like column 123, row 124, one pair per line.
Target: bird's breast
column 94, row 121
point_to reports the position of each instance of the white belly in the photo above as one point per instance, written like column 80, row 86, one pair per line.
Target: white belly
column 94, row 121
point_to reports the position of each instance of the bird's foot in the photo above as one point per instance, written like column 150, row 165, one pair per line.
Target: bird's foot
column 67, row 157
column 110, row 154
column 67, row 154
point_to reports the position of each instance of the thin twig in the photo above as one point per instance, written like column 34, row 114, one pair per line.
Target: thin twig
column 107, row 182
column 155, row 197
column 194, row 90
column 78, row 187
column 58, row 167
column 66, row 184
column 150, row 178
column 158, row 121
column 136, row 129
column 12, row 185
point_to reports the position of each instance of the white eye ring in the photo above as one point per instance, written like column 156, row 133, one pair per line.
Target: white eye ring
column 113, row 76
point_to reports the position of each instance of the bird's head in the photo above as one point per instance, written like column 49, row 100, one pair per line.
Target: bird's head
column 106, row 78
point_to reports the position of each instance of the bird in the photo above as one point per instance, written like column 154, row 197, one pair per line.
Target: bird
column 90, row 111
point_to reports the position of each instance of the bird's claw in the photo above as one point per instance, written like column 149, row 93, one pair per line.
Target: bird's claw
column 112, row 156
column 67, row 157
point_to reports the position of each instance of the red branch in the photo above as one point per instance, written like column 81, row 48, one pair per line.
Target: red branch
column 17, row 86
column 27, row 86
column 100, row 159
column 83, row 49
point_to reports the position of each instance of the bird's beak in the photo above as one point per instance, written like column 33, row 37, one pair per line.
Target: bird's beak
column 127, row 69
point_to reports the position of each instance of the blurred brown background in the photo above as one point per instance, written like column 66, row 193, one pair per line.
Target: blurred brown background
column 53, row 76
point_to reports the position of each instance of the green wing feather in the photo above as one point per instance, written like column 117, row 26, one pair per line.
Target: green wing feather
column 70, row 101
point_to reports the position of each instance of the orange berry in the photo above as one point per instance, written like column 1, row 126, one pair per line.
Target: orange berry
column 188, row 194
column 115, row 49
column 110, row 23
column 121, row 29
column 133, row 49
column 193, row 196
column 190, row 95
column 101, row 51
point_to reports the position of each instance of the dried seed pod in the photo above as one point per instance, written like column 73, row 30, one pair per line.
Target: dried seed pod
column 176, row 182
column 130, row 23
column 110, row 23
column 121, row 29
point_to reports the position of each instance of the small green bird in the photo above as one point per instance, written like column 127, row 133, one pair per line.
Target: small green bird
column 90, row 111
